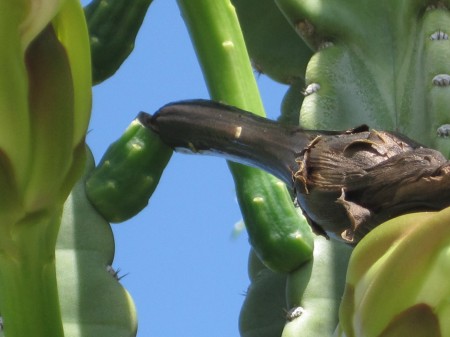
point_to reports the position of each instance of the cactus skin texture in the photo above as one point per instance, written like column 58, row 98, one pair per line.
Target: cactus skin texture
column 93, row 303
column 382, row 63
column 274, row 47
column 385, row 63
column 262, row 313
column 397, row 281
column 128, row 173
column 113, row 26
column 315, row 290
column 292, row 103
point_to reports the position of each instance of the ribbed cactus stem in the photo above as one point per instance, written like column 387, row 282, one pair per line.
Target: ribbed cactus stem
column 383, row 63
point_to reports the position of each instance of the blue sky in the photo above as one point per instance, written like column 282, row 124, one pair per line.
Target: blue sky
column 186, row 273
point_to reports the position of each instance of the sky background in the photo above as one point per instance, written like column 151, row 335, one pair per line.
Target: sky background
column 185, row 271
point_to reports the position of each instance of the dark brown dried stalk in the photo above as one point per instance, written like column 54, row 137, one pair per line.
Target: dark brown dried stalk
column 346, row 182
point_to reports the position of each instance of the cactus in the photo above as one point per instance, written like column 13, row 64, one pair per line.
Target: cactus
column 121, row 184
column 274, row 48
column 113, row 26
column 289, row 244
column 93, row 302
column 292, row 103
column 382, row 63
column 263, row 311
column 314, row 291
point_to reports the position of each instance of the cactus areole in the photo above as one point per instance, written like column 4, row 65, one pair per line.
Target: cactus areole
column 346, row 182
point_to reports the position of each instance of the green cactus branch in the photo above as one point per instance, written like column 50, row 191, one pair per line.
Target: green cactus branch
column 113, row 27
column 222, row 53
column 219, row 43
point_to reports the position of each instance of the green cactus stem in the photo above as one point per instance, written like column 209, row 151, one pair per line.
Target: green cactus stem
column 383, row 63
column 129, row 172
column 314, row 291
column 262, row 313
column 218, row 40
column 274, row 47
column 113, row 27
